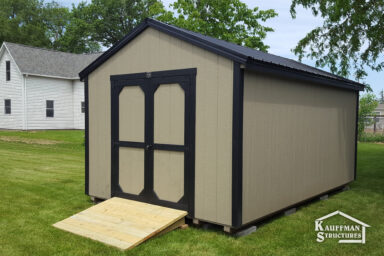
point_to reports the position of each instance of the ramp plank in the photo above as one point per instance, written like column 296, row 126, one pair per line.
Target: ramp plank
column 123, row 223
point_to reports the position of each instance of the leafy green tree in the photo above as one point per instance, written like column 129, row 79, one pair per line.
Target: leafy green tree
column 351, row 37
column 48, row 25
column 55, row 19
column 113, row 19
column 230, row 20
column 367, row 105
column 78, row 32
column 21, row 21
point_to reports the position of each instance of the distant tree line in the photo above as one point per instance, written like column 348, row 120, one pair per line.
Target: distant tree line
column 86, row 27
column 349, row 42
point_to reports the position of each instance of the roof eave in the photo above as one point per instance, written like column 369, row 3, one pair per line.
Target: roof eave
column 301, row 75
column 50, row 76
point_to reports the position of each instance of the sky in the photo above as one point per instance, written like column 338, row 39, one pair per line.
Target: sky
column 287, row 32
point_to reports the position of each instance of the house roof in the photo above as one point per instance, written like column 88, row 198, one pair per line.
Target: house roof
column 251, row 58
column 43, row 62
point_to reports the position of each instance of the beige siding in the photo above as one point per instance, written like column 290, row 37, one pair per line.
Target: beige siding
column 156, row 51
column 298, row 142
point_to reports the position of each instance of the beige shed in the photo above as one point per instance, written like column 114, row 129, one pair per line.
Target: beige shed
column 227, row 133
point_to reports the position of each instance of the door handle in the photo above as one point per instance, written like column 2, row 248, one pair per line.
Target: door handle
column 149, row 146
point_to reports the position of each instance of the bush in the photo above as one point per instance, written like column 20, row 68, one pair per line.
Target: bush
column 371, row 137
column 367, row 105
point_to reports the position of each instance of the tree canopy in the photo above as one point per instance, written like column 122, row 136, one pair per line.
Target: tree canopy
column 113, row 19
column 87, row 26
column 351, row 39
column 48, row 25
column 230, row 20
column 21, row 21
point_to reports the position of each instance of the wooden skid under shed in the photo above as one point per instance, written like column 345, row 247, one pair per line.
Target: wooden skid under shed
column 123, row 223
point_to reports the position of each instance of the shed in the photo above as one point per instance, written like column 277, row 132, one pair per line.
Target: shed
column 227, row 133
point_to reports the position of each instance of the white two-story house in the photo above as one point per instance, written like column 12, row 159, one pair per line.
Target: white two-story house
column 40, row 88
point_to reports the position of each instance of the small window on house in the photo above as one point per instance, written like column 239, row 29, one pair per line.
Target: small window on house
column 49, row 109
column 7, row 106
column 82, row 107
column 8, row 70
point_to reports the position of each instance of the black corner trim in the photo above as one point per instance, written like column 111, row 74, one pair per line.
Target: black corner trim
column 86, row 136
column 274, row 69
column 356, row 133
column 237, row 145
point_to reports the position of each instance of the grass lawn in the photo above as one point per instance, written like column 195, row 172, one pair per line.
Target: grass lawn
column 42, row 182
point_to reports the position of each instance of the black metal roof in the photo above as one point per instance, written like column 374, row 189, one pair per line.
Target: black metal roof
column 251, row 58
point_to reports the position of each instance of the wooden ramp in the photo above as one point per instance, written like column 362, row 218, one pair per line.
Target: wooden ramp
column 123, row 223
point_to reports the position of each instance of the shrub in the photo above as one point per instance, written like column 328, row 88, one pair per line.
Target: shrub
column 371, row 137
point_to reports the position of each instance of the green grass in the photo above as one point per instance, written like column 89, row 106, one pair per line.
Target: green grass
column 42, row 184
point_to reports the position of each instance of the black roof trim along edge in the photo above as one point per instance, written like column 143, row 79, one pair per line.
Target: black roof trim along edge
column 301, row 75
column 223, row 50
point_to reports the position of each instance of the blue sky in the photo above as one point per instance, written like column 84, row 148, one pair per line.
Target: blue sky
column 288, row 32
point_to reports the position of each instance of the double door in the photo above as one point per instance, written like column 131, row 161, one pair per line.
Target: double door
column 153, row 133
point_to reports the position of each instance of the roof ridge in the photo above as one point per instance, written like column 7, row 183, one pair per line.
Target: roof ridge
column 46, row 49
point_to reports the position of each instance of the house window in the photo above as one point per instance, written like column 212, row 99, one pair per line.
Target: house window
column 7, row 106
column 49, row 109
column 8, row 70
column 82, row 107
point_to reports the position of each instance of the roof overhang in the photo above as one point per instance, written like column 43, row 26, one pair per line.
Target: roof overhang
column 168, row 30
column 273, row 69
column 225, row 52
column 51, row 76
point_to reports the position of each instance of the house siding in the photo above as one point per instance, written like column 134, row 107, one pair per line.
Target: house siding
column 12, row 90
column 78, row 97
column 41, row 89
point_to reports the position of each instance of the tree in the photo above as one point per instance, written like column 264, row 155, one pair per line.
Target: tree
column 381, row 100
column 49, row 25
column 55, row 19
column 367, row 105
column 230, row 20
column 21, row 22
column 113, row 19
column 78, row 32
column 351, row 37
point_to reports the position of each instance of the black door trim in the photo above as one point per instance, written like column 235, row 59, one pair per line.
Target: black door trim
column 149, row 82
